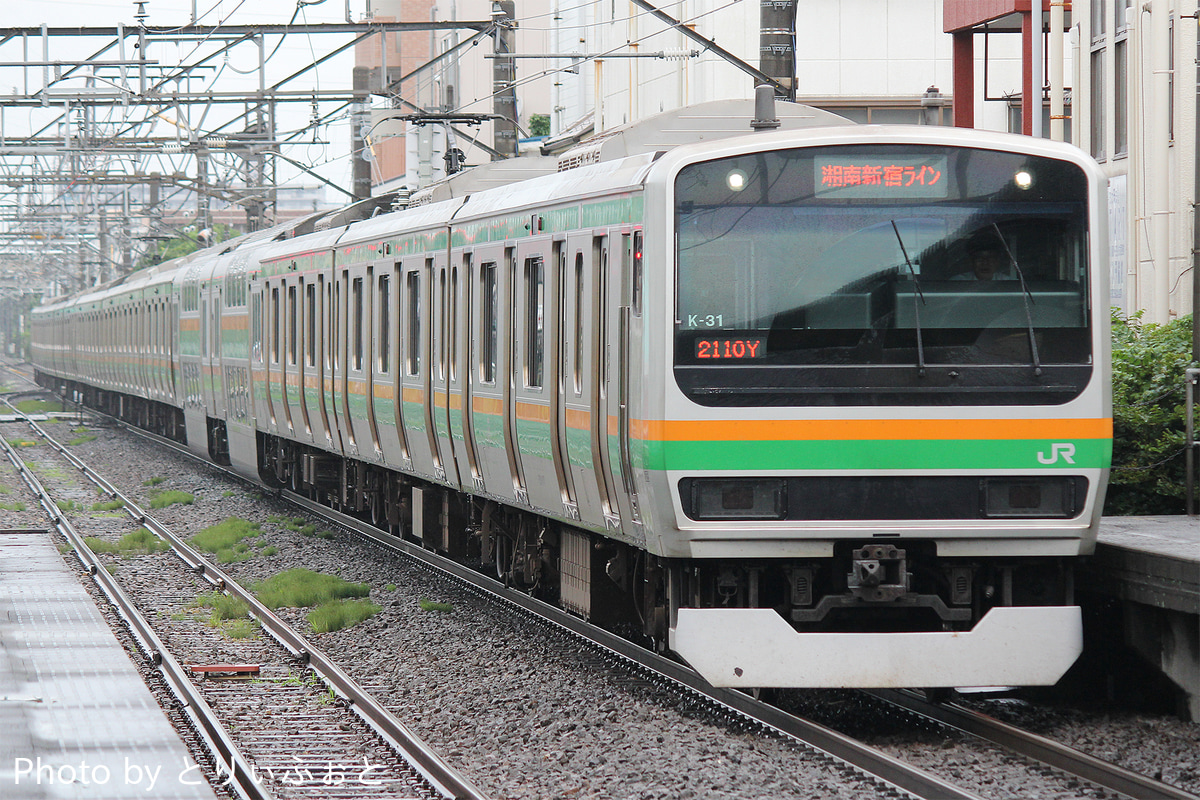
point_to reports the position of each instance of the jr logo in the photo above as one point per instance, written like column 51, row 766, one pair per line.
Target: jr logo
column 1065, row 450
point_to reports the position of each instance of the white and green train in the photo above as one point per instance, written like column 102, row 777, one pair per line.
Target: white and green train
column 817, row 404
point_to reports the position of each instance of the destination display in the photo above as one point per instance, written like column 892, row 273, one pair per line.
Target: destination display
column 882, row 178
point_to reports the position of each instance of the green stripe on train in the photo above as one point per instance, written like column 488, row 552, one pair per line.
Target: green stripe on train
column 979, row 454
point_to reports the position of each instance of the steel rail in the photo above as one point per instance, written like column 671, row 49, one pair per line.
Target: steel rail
column 446, row 780
column 877, row 764
column 240, row 774
column 1053, row 754
column 898, row 775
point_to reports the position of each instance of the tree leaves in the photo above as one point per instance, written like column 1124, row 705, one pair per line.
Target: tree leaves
column 1149, row 361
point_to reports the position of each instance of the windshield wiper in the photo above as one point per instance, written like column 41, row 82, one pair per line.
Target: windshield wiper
column 1026, row 297
column 918, row 301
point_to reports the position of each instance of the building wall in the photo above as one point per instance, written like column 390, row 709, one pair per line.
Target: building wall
column 871, row 59
column 1129, row 64
column 394, row 55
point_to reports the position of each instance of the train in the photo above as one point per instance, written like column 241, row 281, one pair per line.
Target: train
column 724, row 378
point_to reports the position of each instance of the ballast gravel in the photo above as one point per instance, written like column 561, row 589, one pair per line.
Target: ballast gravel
column 527, row 716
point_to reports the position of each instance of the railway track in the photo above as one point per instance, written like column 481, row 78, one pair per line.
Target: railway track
column 742, row 711
column 1067, row 760
column 261, row 761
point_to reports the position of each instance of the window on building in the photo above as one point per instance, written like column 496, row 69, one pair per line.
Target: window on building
column 1098, row 20
column 895, row 112
column 1099, row 115
column 1120, row 98
column 1120, row 18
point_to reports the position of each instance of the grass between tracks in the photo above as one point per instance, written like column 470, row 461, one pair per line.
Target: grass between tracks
column 230, row 614
column 332, row 599
column 137, row 542
column 229, row 540
column 170, row 498
column 40, row 406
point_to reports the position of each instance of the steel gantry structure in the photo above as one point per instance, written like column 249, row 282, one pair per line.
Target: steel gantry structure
column 119, row 123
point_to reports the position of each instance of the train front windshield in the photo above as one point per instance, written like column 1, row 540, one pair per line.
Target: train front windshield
column 882, row 275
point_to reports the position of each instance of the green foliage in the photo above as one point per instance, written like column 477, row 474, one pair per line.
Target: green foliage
column 297, row 588
column 294, row 524
column 68, row 505
column 98, row 545
column 170, row 498
column 78, row 440
column 110, row 505
column 341, row 614
column 223, row 606
column 153, row 481
column 1148, row 415
column 430, row 605
column 181, row 246
column 39, row 406
column 539, row 124
column 225, row 539
column 240, row 628
column 269, row 550
column 230, row 614
column 15, row 505
column 141, row 541
column 19, row 443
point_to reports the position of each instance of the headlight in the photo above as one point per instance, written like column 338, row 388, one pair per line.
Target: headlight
column 734, row 498
column 1030, row 497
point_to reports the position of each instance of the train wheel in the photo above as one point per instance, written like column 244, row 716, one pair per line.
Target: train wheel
column 503, row 555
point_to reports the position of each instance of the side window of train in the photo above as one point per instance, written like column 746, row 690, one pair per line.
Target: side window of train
column 439, row 320
column 535, row 300
column 356, row 295
column 274, row 324
column 602, row 326
column 413, row 360
column 384, row 333
column 335, row 326
column 291, row 325
column 452, row 322
column 577, row 357
column 256, row 325
column 310, row 316
column 636, row 289
column 488, row 322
